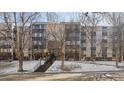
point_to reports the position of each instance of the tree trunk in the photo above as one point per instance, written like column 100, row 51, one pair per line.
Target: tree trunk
column 62, row 59
column 20, row 61
column 117, row 57
column 20, row 65
column 120, row 54
column 117, row 64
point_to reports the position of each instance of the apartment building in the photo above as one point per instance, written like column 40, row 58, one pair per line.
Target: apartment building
column 72, row 40
column 88, row 43
column 9, row 41
column 5, row 41
column 117, row 43
column 96, row 44
column 80, row 42
column 38, row 39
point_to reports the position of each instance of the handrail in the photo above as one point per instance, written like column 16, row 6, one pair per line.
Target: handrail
column 39, row 64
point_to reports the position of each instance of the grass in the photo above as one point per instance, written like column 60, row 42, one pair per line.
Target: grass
column 61, row 77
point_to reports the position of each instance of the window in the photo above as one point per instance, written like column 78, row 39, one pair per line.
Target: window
column 104, row 33
column 42, row 26
column 93, row 33
column 68, row 39
column 67, row 27
column 67, row 42
column 93, row 41
column 83, row 33
column 1, row 50
column 37, row 27
column 36, row 38
column 5, row 50
column 93, row 51
column 104, row 51
column 77, row 30
column 35, row 42
column 83, row 41
column 40, row 34
column 73, row 42
column 39, row 43
column 83, row 38
column 83, row 45
column 10, row 50
column 114, row 52
column 104, row 37
column 78, row 42
column 34, row 34
column 93, row 48
column 93, row 44
column 104, row 29
column 76, row 38
column 104, row 41
column 74, row 34
column 5, row 46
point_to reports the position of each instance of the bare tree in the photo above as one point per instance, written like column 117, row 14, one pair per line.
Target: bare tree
column 56, row 32
column 5, row 32
column 115, row 19
column 22, row 26
column 23, row 20
column 75, row 28
column 90, row 22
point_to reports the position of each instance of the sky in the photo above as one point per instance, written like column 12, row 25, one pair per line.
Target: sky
column 65, row 17
column 68, row 16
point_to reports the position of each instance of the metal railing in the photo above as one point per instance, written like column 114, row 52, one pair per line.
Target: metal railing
column 38, row 65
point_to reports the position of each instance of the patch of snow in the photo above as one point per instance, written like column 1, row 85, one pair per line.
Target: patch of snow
column 80, row 66
column 27, row 65
column 69, row 66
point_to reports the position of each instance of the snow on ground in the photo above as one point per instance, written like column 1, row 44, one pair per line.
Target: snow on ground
column 12, row 67
column 70, row 66
column 79, row 66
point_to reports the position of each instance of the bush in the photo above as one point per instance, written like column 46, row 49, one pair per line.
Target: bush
column 71, row 67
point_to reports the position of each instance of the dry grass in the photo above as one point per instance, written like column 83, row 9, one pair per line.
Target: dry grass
column 71, row 67
column 63, row 77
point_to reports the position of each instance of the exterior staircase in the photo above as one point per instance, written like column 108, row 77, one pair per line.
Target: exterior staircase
column 46, row 65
